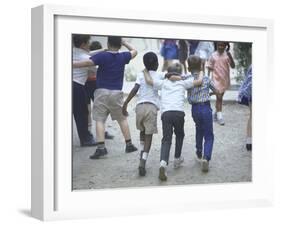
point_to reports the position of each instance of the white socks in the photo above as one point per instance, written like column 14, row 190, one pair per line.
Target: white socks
column 144, row 155
column 219, row 115
column 163, row 163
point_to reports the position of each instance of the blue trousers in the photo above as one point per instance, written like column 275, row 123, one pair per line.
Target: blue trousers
column 202, row 116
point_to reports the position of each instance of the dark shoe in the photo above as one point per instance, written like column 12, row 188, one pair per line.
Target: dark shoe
column 100, row 152
column 205, row 165
column 162, row 173
column 89, row 143
column 142, row 170
column 130, row 148
column 249, row 147
column 108, row 136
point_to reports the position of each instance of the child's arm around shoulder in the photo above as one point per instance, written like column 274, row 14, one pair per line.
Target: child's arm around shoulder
column 94, row 52
column 190, row 82
column 147, row 77
column 156, row 83
column 83, row 63
column 199, row 80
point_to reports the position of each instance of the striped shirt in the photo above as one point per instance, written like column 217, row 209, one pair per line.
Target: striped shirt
column 200, row 94
column 246, row 87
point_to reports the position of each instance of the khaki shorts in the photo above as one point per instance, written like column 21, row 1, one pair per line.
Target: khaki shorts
column 108, row 102
column 146, row 118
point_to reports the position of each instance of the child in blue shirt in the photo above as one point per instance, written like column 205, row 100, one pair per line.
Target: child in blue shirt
column 109, row 95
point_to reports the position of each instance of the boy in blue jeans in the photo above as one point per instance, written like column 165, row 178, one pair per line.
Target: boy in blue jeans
column 109, row 95
column 199, row 98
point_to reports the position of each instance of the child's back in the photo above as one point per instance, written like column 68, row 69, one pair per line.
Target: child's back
column 110, row 72
column 200, row 94
column 146, row 92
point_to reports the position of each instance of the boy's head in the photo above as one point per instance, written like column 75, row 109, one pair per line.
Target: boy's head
column 81, row 41
column 95, row 45
column 114, row 42
column 150, row 61
column 194, row 63
column 175, row 68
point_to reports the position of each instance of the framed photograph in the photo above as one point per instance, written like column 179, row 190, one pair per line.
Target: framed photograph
column 72, row 177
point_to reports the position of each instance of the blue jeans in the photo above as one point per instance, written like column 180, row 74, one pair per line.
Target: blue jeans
column 202, row 116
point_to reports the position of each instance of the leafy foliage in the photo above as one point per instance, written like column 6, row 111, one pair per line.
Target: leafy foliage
column 243, row 58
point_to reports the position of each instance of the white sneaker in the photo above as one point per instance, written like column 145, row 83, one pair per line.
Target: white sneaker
column 221, row 121
column 205, row 165
column 178, row 162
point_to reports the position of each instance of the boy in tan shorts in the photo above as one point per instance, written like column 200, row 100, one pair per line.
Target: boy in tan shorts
column 147, row 107
column 109, row 95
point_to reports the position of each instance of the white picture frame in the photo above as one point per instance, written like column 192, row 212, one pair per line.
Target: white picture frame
column 52, row 197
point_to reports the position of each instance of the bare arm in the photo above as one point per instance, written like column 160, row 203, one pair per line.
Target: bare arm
column 130, row 48
column 84, row 63
column 128, row 99
column 94, row 52
column 147, row 77
column 232, row 64
column 199, row 80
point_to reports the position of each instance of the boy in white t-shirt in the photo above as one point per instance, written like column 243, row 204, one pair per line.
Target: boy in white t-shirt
column 172, row 109
column 147, row 107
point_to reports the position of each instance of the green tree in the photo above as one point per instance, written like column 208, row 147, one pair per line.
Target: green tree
column 243, row 58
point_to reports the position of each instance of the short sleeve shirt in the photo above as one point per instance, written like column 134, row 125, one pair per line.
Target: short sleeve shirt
column 111, row 66
column 173, row 93
column 148, row 93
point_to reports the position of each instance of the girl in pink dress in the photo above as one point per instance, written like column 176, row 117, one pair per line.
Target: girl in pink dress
column 219, row 64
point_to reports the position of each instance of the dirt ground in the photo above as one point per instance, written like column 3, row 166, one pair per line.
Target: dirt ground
column 230, row 160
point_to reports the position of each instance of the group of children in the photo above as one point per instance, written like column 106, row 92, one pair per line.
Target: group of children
column 173, row 85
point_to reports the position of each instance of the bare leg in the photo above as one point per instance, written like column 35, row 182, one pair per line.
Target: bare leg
column 219, row 109
column 219, row 102
column 100, row 128
column 147, row 142
column 125, row 129
column 144, row 154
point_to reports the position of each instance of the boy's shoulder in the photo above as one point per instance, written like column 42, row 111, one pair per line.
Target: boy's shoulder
column 155, row 74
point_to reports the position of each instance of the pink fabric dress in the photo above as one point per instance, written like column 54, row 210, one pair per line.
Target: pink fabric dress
column 220, row 64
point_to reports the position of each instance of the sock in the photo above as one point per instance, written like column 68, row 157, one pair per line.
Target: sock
column 128, row 142
column 219, row 115
column 101, row 145
column 144, row 155
column 163, row 163
column 141, row 145
column 249, row 140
